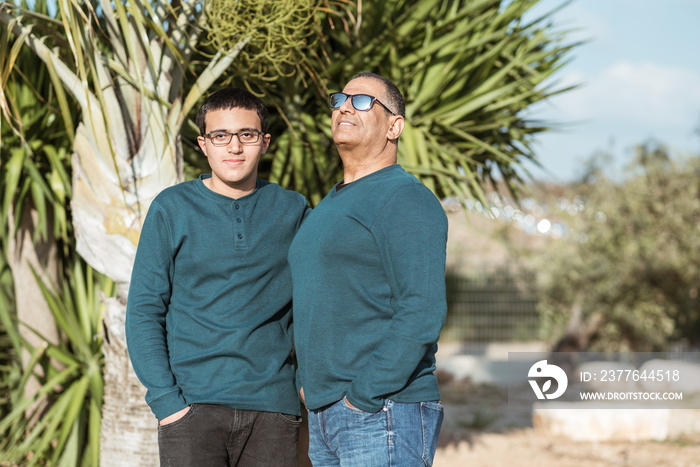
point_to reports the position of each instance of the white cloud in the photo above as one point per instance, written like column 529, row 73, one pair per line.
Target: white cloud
column 643, row 94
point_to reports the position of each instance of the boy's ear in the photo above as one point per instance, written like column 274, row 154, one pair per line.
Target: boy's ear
column 202, row 144
column 266, row 142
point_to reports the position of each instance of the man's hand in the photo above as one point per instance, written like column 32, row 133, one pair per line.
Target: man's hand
column 349, row 404
column 301, row 394
column 174, row 417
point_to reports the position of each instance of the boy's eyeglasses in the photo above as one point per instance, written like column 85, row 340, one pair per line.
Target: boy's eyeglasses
column 222, row 138
column 361, row 102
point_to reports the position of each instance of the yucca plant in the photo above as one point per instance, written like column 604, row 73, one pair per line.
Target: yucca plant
column 469, row 71
column 126, row 67
column 36, row 131
column 67, row 429
column 35, row 138
column 35, row 142
column 126, row 72
column 135, row 73
column 10, row 343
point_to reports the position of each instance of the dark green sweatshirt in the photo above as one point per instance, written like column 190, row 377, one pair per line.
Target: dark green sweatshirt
column 209, row 310
column 368, row 267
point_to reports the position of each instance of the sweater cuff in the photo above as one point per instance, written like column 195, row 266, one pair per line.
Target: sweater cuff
column 298, row 383
column 364, row 404
column 167, row 404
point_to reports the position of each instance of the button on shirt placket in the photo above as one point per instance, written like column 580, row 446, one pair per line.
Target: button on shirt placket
column 239, row 236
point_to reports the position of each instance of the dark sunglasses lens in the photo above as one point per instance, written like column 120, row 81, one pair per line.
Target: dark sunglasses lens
column 336, row 99
column 362, row 102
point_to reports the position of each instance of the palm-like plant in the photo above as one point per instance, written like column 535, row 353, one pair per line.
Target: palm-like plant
column 126, row 148
column 468, row 69
column 69, row 431
column 36, row 130
column 10, row 339
column 35, row 185
column 125, row 68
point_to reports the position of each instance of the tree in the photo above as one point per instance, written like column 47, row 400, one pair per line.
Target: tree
column 36, row 130
column 469, row 70
column 125, row 68
column 627, row 278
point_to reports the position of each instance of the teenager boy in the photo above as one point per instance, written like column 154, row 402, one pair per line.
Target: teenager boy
column 209, row 311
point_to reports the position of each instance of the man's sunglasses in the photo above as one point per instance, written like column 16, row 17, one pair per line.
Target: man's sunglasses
column 361, row 102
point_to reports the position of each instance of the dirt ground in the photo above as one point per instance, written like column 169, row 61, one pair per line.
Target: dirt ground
column 525, row 448
column 480, row 431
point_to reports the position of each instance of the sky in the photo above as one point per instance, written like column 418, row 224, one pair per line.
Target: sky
column 640, row 81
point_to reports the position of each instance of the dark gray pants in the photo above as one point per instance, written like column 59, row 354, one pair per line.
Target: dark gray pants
column 213, row 435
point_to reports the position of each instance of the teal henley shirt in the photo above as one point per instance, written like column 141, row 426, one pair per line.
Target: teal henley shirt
column 368, row 267
column 209, row 309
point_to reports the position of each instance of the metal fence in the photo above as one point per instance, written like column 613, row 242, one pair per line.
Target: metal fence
column 496, row 305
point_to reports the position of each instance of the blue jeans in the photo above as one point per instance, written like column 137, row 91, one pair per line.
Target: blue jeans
column 213, row 435
column 402, row 435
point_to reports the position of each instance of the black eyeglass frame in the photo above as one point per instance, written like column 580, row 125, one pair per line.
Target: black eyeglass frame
column 352, row 101
column 231, row 135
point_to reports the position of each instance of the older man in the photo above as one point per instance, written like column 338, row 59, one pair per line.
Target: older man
column 368, row 270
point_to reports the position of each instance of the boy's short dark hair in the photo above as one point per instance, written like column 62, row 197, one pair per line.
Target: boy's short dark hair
column 231, row 98
column 394, row 96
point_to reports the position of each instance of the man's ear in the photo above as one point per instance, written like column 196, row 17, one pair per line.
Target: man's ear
column 266, row 142
column 202, row 144
column 396, row 124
